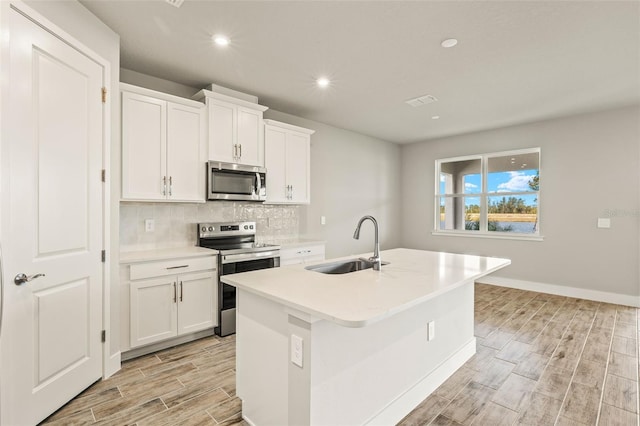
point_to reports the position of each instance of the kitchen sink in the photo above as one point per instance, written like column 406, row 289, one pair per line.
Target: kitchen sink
column 343, row 266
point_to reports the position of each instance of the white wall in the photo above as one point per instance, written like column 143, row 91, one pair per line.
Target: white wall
column 589, row 166
column 81, row 24
column 155, row 83
column 352, row 175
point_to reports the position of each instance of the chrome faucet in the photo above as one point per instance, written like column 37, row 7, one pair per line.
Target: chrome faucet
column 377, row 262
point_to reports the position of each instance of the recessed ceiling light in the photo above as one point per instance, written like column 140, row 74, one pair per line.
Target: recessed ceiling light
column 323, row 82
column 175, row 3
column 421, row 100
column 450, row 42
column 221, row 40
column 435, row 117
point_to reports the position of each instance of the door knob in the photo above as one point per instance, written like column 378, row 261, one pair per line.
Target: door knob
column 22, row 278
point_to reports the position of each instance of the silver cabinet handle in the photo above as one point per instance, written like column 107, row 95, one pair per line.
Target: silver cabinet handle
column 175, row 293
column 181, row 291
column 22, row 278
column 164, row 185
column 170, row 185
column 235, row 151
column 291, row 193
column 177, row 267
column 240, row 146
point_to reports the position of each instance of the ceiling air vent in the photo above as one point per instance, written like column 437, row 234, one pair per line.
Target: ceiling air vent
column 422, row 100
column 175, row 3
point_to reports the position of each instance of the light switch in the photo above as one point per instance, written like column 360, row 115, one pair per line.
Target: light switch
column 149, row 225
column 604, row 222
column 323, row 220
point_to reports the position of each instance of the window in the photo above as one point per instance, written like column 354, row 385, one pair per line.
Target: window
column 489, row 195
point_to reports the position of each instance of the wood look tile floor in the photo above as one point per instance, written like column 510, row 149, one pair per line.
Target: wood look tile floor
column 541, row 360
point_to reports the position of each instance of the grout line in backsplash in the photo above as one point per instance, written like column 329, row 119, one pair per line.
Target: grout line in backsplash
column 175, row 223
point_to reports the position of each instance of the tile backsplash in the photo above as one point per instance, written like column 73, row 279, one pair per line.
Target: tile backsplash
column 175, row 223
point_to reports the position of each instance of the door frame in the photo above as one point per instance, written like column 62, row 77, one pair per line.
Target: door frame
column 109, row 364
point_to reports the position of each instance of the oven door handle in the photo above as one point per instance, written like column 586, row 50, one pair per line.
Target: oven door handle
column 245, row 257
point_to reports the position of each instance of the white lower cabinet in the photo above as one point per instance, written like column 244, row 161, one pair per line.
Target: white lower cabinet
column 166, row 299
column 167, row 307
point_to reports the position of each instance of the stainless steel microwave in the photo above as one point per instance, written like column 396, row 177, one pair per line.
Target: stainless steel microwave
column 230, row 181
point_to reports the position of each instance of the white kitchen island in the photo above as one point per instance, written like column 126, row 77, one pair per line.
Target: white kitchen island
column 367, row 355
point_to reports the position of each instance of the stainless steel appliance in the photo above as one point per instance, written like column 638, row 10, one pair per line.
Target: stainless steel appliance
column 230, row 181
column 239, row 252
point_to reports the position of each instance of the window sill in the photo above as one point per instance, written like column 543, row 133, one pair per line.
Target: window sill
column 491, row 235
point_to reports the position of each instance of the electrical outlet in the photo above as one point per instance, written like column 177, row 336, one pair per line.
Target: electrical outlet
column 431, row 330
column 323, row 220
column 149, row 225
column 604, row 222
column 297, row 347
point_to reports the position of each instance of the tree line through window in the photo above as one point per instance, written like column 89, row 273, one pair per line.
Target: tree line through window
column 489, row 193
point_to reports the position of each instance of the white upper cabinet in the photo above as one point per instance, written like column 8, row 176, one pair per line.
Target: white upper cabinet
column 287, row 159
column 163, row 146
column 235, row 129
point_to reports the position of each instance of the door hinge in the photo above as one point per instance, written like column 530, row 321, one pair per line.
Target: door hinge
column 104, row 175
column 104, row 95
column 104, row 255
column 103, row 336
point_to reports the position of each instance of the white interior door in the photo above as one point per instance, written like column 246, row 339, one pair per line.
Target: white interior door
column 52, row 224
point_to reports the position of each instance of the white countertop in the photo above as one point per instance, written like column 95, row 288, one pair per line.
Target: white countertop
column 358, row 299
column 167, row 253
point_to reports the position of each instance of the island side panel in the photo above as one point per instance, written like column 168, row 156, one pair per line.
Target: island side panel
column 262, row 340
column 374, row 374
column 357, row 373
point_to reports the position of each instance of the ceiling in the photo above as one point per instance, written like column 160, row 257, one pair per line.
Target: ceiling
column 516, row 61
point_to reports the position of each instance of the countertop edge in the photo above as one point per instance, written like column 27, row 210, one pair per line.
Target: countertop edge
column 228, row 279
column 164, row 254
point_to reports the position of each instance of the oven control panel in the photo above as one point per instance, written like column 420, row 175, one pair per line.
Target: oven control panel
column 220, row 229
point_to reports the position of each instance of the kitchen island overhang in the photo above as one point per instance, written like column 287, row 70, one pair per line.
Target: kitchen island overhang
column 361, row 338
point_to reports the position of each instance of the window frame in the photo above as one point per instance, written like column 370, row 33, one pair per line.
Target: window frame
column 484, row 197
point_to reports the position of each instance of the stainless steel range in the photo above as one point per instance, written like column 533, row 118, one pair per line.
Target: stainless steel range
column 239, row 252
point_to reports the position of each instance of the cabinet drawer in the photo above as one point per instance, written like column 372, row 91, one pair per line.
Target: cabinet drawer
column 172, row 267
column 290, row 256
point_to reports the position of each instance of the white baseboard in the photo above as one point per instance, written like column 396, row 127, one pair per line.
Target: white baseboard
column 409, row 400
column 113, row 365
column 560, row 290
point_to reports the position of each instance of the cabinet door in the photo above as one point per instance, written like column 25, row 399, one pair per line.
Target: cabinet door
column 250, row 137
column 144, row 142
column 297, row 160
column 275, row 143
column 185, row 162
column 222, row 134
column 153, row 310
column 197, row 297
